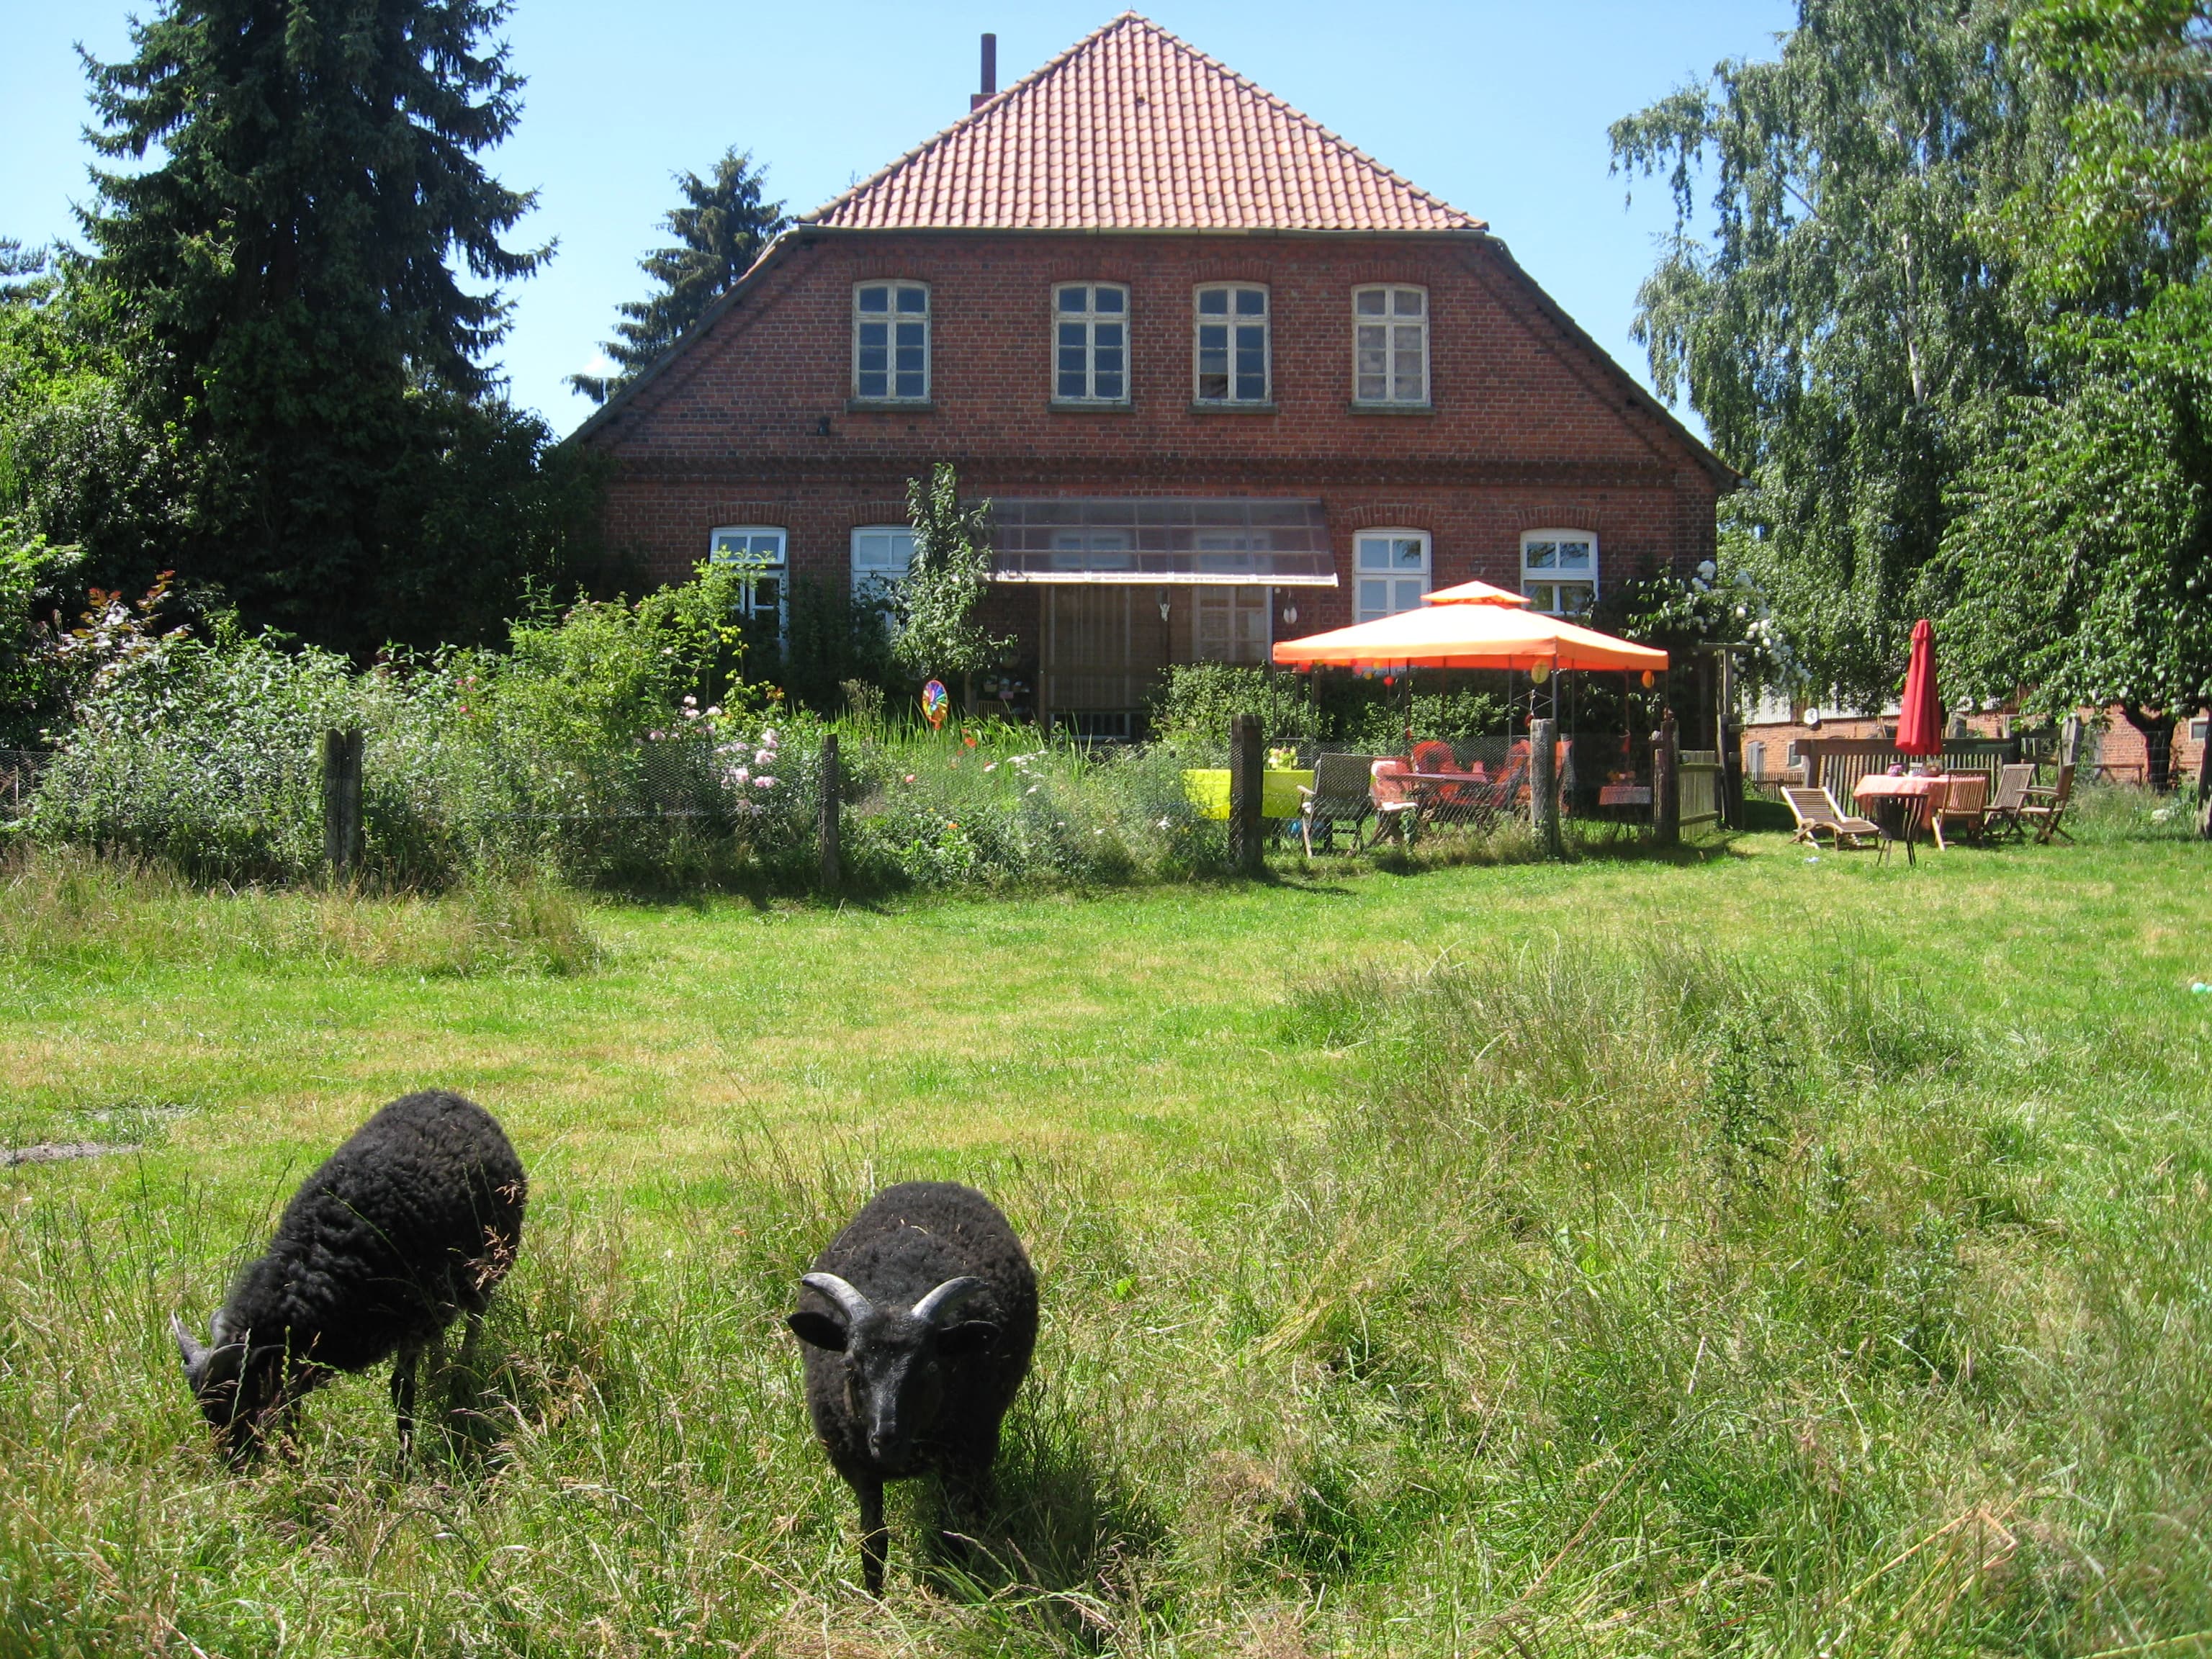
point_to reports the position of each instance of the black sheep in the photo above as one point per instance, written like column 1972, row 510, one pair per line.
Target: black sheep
column 918, row 1319
column 411, row 1223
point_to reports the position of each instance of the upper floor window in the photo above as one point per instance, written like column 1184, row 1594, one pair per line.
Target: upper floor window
column 881, row 555
column 1390, row 345
column 891, row 343
column 1230, row 344
column 1091, row 343
column 1390, row 572
column 1558, row 571
column 760, row 549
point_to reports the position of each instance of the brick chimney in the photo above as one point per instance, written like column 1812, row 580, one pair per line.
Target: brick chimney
column 990, row 73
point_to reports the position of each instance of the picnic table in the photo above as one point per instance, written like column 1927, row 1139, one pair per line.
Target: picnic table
column 1459, row 797
column 1207, row 787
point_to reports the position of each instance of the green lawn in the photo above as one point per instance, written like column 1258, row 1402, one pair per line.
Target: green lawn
column 1433, row 1262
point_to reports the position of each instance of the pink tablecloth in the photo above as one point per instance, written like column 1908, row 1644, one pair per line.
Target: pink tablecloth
column 1880, row 783
column 1922, row 795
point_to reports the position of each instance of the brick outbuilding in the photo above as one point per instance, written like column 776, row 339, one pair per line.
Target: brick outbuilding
column 1224, row 378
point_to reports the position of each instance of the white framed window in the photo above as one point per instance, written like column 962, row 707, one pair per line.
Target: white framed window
column 891, row 343
column 1390, row 572
column 760, row 548
column 882, row 554
column 1233, row 624
column 1558, row 571
column 1091, row 343
column 1229, row 347
column 1389, row 344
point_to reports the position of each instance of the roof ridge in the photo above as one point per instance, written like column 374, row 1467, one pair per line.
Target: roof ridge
column 1280, row 103
column 943, row 133
column 1299, row 162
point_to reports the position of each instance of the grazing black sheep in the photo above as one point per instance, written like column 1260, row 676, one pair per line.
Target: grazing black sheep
column 412, row 1222
column 918, row 1319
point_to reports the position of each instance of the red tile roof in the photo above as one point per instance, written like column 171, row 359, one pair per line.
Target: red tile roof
column 1131, row 129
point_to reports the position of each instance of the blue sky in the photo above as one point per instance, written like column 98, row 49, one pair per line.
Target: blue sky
column 1499, row 108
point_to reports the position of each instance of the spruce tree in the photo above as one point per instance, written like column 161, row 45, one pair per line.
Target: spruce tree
column 309, row 273
column 721, row 231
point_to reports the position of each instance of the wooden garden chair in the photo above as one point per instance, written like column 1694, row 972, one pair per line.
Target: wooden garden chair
column 2003, row 815
column 1339, row 794
column 2046, row 808
column 1395, row 797
column 1965, row 803
column 1815, row 810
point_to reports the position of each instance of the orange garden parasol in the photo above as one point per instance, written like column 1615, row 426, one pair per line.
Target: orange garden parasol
column 1920, row 717
column 1472, row 625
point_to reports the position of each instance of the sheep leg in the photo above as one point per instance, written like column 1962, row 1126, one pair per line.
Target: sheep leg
column 967, row 1487
column 466, row 1388
column 875, row 1538
column 403, row 1400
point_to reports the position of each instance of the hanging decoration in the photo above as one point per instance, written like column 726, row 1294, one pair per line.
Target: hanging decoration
column 935, row 704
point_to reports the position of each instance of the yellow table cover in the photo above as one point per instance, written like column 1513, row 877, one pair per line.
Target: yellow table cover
column 1208, row 790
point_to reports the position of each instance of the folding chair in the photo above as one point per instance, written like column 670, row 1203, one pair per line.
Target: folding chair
column 2044, row 808
column 2003, row 815
column 1815, row 810
column 1965, row 802
column 1339, row 795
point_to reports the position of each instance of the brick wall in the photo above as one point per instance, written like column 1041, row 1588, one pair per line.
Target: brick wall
column 1530, row 428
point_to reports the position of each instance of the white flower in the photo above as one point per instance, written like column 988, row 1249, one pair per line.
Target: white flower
column 1032, row 789
column 769, row 736
column 742, row 776
column 690, row 702
column 715, row 711
column 992, row 766
column 763, row 783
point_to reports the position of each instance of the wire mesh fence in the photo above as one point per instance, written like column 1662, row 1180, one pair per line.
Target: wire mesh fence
column 715, row 806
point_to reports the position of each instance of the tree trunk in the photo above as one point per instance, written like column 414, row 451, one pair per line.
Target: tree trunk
column 2204, row 781
column 2157, row 731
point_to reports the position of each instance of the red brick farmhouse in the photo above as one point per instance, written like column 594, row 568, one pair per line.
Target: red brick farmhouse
column 1224, row 378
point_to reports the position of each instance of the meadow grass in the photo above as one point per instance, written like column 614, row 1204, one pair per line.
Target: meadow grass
column 1742, row 1253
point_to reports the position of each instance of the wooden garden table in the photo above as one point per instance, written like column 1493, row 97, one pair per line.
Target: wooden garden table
column 1900, row 805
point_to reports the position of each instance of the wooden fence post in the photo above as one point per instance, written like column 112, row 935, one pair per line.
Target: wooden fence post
column 1247, row 778
column 1544, row 787
column 832, row 829
column 341, row 799
column 1729, row 745
column 1666, row 785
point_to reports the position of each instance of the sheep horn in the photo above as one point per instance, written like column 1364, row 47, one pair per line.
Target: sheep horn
column 855, row 1306
column 941, row 1304
column 194, row 1351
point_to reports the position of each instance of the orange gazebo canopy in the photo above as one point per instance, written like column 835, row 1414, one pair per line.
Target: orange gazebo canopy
column 1472, row 625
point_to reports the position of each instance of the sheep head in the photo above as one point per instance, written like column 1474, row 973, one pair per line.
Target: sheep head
column 236, row 1384
column 893, row 1359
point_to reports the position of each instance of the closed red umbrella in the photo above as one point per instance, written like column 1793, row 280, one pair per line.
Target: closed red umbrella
column 1920, row 720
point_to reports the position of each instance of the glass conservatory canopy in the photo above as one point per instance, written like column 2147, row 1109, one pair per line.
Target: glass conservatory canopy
column 1173, row 539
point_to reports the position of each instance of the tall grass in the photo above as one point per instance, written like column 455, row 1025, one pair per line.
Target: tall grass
column 1623, row 1302
column 60, row 904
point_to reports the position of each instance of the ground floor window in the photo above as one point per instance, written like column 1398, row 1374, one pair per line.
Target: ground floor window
column 1231, row 625
column 760, row 548
column 881, row 556
column 1390, row 572
column 1558, row 571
